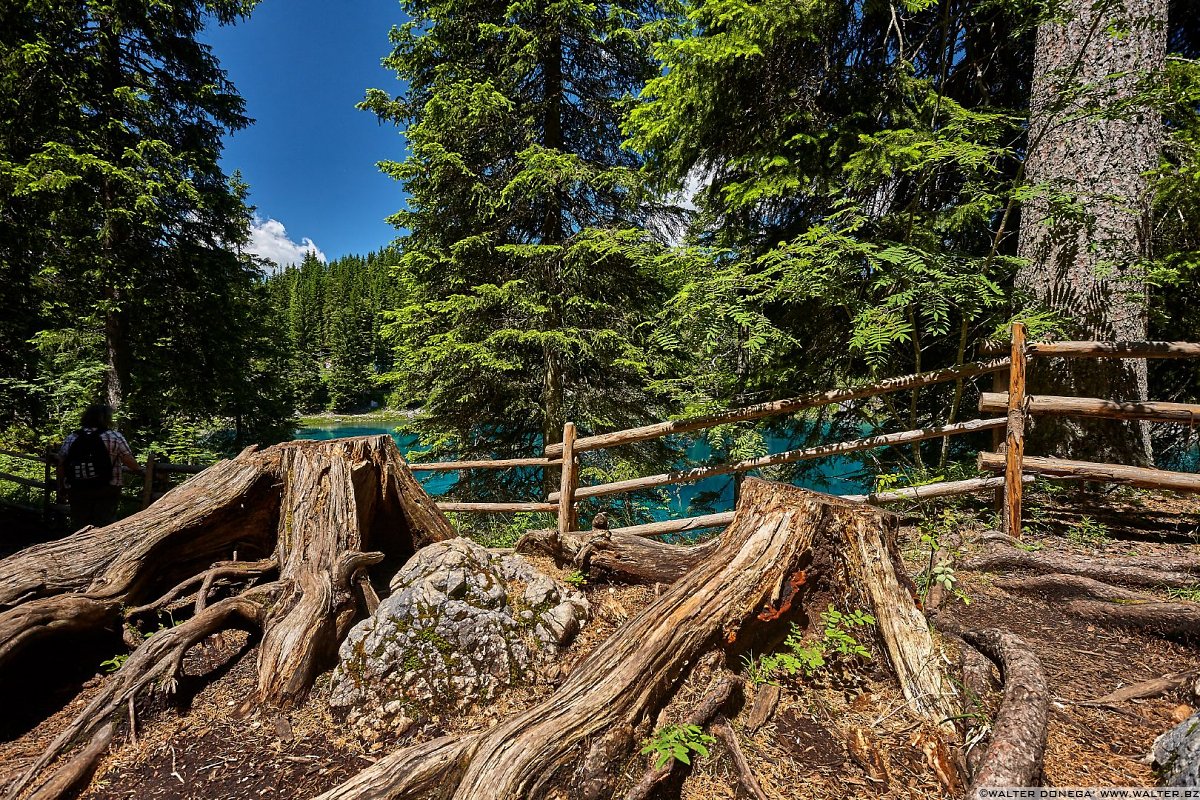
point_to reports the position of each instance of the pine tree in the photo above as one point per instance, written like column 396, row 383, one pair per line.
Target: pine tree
column 526, row 257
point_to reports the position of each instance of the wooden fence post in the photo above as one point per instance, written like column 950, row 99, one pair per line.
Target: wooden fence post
column 1014, row 439
column 1000, row 384
column 566, row 488
column 148, row 482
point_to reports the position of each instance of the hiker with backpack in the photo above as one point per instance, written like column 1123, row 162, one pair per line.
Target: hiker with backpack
column 89, row 468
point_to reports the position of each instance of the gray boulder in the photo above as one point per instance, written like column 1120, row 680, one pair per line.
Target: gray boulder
column 460, row 625
column 1177, row 753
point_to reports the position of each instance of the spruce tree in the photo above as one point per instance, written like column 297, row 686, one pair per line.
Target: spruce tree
column 109, row 150
column 526, row 256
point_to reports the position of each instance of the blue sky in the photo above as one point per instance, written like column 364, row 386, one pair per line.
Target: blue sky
column 310, row 156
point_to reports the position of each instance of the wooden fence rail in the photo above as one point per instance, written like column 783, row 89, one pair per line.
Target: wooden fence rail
column 1144, row 477
column 1115, row 349
column 1150, row 411
column 777, row 407
column 787, row 457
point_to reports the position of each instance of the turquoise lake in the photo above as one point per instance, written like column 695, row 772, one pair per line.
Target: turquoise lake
column 836, row 475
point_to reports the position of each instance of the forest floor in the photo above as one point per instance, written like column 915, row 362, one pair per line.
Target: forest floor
column 838, row 735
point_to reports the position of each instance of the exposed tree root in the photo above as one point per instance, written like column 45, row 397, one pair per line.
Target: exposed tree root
column 321, row 514
column 158, row 659
column 1131, row 571
column 227, row 507
column 47, row 617
column 1018, row 745
column 1066, row 586
column 1115, row 606
column 717, row 697
column 782, row 545
column 78, row 769
column 222, row 570
column 724, row 731
column 1168, row 620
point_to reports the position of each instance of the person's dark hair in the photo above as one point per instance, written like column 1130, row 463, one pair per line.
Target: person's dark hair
column 98, row 416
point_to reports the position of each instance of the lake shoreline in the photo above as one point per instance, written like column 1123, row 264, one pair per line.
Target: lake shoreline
column 379, row 415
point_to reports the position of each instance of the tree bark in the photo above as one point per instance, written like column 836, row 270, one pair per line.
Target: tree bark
column 785, row 548
column 313, row 508
column 1085, row 262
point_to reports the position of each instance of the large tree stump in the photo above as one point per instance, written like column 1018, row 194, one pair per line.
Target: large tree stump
column 315, row 513
column 785, row 554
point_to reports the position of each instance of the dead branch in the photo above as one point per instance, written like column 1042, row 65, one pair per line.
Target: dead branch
column 724, row 731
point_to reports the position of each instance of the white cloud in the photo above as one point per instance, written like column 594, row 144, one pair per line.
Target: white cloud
column 269, row 239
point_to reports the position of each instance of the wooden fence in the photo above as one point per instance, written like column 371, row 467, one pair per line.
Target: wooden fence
column 1015, row 405
column 1009, row 409
column 567, row 453
column 154, row 485
column 1020, row 405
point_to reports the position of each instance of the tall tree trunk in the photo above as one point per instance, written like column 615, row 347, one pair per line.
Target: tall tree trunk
column 116, row 334
column 1085, row 262
column 554, row 383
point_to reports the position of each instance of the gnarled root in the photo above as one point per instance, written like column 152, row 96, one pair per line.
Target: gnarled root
column 1018, row 742
column 1115, row 606
column 158, row 658
column 1001, row 554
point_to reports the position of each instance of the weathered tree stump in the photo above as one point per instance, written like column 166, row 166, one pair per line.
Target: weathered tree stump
column 314, row 514
column 787, row 549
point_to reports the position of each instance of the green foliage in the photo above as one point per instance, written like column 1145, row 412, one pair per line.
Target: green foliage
column 528, row 266
column 576, row 578
column 1087, row 532
column 808, row 658
column 334, row 315
column 120, row 241
column 677, row 742
column 1190, row 593
column 115, row 663
column 498, row 530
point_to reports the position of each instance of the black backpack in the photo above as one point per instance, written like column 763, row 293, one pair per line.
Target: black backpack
column 88, row 464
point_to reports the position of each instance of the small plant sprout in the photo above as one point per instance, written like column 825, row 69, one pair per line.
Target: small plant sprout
column 115, row 663
column 576, row 578
column 1184, row 593
column 808, row 658
column 677, row 742
column 1088, row 533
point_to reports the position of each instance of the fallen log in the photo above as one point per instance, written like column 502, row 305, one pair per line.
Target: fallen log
column 784, row 546
column 617, row 556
